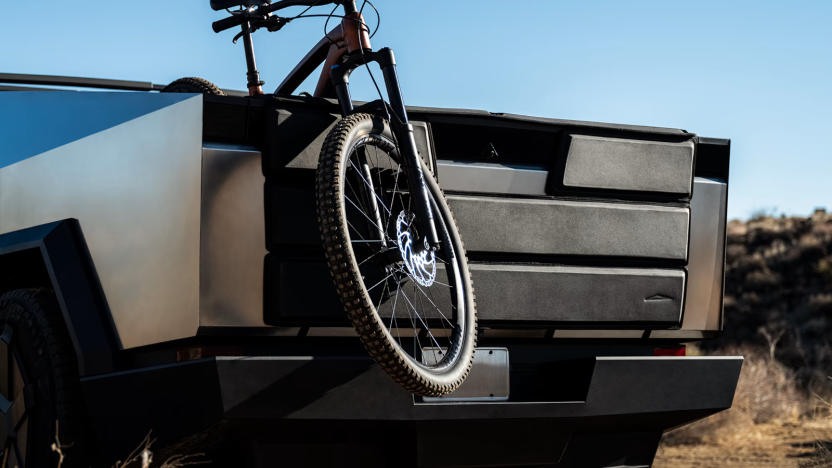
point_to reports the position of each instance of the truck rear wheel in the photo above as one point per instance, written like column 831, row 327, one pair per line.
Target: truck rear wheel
column 39, row 385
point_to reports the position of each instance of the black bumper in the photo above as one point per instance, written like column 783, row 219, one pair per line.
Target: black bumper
column 313, row 395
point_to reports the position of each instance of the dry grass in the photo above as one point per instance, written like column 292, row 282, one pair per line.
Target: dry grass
column 766, row 393
column 823, row 457
column 773, row 422
column 142, row 457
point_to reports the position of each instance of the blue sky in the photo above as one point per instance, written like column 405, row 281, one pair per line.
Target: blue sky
column 756, row 72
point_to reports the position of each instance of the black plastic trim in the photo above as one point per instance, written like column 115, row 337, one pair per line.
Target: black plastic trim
column 713, row 158
column 58, row 250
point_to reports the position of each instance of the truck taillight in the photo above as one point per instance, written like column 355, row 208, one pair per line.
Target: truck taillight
column 675, row 351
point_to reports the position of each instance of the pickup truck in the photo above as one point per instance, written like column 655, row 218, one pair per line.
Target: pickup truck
column 161, row 269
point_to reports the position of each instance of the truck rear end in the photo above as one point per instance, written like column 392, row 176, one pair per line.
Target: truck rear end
column 596, row 250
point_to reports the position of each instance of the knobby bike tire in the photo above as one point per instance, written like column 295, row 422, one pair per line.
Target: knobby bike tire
column 193, row 85
column 351, row 288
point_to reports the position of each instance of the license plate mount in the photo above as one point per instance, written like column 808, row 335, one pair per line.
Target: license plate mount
column 488, row 380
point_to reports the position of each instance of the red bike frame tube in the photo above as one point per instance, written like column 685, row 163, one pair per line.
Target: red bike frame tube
column 350, row 36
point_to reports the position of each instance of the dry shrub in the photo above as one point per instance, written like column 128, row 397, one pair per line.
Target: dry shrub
column 762, row 280
column 820, row 303
column 824, row 268
column 747, row 263
column 822, row 456
column 142, row 457
column 766, row 392
column 811, row 247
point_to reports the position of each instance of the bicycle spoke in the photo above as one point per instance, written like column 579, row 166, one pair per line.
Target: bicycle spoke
column 441, row 283
column 382, row 280
column 381, row 296
column 359, row 210
column 413, row 327
column 393, row 316
column 358, row 196
column 438, row 347
column 354, row 192
column 371, row 256
column 424, row 325
column 356, row 231
column 369, row 185
column 419, row 288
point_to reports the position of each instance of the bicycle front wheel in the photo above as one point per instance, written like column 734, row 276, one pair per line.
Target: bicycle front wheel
column 412, row 308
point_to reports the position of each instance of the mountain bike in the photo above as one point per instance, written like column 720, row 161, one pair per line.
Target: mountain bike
column 389, row 238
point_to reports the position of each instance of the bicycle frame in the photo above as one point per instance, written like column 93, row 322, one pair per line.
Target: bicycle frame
column 330, row 50
column 342, row 50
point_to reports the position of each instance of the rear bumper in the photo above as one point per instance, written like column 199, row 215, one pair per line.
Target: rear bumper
column 624, row 394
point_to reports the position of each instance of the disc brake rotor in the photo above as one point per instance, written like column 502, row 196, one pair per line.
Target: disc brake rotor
column 421, row 265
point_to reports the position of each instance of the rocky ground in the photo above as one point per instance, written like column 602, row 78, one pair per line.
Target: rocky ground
column 800, row 444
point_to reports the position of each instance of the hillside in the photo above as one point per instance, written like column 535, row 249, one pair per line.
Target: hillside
column 779, row 291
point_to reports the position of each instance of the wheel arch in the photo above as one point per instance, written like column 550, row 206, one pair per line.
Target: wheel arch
column 55, row 255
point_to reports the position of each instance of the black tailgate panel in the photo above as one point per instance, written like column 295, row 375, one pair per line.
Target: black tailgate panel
column 585, row 249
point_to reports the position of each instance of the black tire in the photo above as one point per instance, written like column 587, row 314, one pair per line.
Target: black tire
column 193, row 85
column 35, row 352
column 445, row 373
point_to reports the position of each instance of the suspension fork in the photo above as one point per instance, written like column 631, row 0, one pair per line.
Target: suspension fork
column 402, row 130
column 341, row 84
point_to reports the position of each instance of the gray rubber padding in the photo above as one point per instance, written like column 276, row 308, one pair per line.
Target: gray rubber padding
column 563, row 227
column 636, row 165
column 505, row 293
column 520, row 226
column 578, row 294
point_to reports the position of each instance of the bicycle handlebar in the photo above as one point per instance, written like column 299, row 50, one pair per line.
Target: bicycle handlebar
column 238, row 19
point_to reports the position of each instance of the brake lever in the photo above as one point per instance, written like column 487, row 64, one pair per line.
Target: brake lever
column 240, row 34
column 275, row 23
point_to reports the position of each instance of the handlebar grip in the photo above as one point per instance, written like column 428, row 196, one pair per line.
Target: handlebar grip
column 227, row 23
